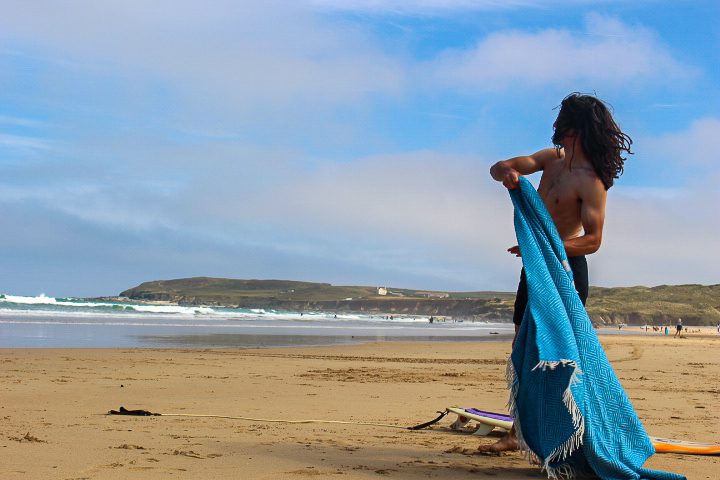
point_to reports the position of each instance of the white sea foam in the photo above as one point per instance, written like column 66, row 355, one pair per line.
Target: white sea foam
column 40, row 299
column 79, row 304
column 172, row 309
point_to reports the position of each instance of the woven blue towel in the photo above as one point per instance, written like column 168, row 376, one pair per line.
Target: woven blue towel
column 571, row 413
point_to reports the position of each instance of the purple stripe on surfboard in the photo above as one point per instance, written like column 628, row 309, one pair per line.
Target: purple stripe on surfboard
column 483, row 413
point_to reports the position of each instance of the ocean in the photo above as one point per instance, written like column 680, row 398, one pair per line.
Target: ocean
column 49, row 322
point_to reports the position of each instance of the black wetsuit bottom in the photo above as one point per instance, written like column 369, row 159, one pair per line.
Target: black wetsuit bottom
column 582, row 285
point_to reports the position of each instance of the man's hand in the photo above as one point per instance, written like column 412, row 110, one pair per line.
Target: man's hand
column 515, row 251
column 511, row 179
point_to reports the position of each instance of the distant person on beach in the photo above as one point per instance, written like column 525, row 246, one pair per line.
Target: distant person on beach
column 678, row 328
column 576, row 176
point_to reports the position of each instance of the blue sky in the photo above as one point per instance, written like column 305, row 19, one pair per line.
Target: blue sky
column 340, row 141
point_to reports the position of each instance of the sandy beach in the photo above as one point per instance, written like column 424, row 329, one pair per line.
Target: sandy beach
column 53, row 405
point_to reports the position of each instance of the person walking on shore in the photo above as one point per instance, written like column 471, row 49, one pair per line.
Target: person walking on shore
column 576, row 176
column 678, row 328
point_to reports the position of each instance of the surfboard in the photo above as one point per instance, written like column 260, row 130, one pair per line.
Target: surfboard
column 666, row 445
column 488, row 421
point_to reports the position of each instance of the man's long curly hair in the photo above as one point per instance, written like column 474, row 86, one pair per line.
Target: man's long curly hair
column 602, row 140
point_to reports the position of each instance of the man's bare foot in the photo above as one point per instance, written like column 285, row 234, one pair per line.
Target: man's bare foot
column 508, row 443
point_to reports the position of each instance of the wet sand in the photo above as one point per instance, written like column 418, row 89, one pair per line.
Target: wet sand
column 53, row 404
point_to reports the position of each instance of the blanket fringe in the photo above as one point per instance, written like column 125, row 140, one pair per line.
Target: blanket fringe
column 564, row 471
column 513, row 386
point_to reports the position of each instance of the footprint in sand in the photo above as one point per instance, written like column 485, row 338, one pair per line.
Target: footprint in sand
column 192, row 454
column 310, row 472
column 126, row 446
column 27, row 438
column 472, row 451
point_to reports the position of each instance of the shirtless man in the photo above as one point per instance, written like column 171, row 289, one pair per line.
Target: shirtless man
column 576, row 176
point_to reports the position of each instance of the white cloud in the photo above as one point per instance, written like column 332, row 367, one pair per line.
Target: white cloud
column 424, row 195
column 259, row 57
column 607, row 53
column 698, row 146
column 420, row 212
column 20, row 121
column 22, row 142
column 133, row 207
column 665, row 238
column 656, row 235
column 237, row 54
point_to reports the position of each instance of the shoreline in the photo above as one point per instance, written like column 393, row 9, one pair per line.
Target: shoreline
column 31, row 335
column 55, row 400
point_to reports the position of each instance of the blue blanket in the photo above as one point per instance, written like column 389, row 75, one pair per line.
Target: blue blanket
column 571, row 413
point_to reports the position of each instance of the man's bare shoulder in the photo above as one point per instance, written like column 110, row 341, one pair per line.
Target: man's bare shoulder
column 548, row 156
column 587, row 182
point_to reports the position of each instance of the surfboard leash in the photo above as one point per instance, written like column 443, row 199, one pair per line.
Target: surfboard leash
column 431, row 422
column 146, row 413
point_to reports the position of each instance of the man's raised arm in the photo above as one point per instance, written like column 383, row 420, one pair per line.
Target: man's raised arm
column 509, row 171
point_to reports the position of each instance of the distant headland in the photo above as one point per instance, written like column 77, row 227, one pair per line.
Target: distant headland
column 660, row 305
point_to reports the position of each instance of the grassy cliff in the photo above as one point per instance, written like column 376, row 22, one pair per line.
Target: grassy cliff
column 695, row 304
column 661, row 305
